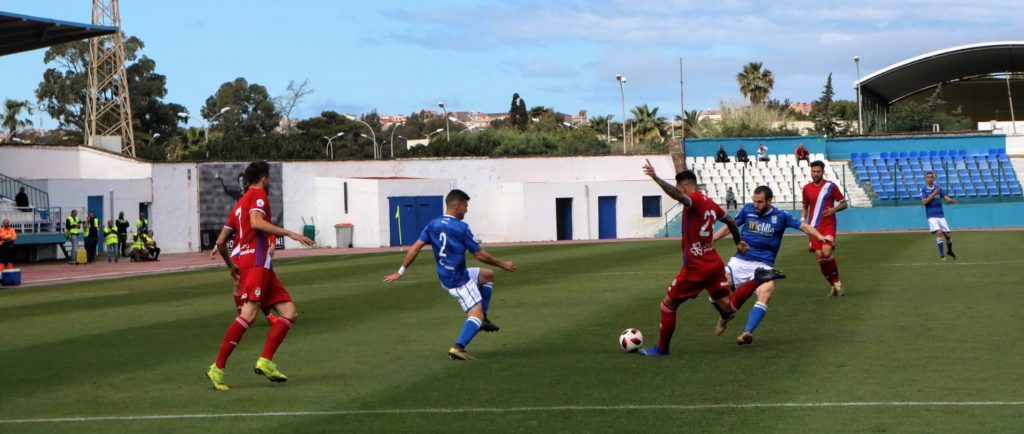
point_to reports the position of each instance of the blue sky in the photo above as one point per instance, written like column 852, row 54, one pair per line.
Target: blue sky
column 402, row 56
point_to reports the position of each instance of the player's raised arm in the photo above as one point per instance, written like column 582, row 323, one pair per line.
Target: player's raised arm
column 930, row 197
column 258, row 223
column 414, row 250
column 948, row 199
column 482, row 256
column 734, row 229
column 669, row 189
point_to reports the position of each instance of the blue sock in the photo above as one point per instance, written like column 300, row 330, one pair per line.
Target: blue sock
column 469, row 330
column 941, row 251
column 486, row 291
column 756, row 315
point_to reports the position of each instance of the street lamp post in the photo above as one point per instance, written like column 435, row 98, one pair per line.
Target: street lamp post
column 608, row 124
column 435, row 132
column 376, row 155
column 376, row 152
column 394, row 127
column 446, row 126
column 330, row 145
column 622, row 93
column 206, row 125
column 860, row 111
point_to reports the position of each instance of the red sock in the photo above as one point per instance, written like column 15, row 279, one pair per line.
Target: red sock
column 668, row 327
column 743, row 293
column 829, row 269
column 277, row 333
column 231, row 339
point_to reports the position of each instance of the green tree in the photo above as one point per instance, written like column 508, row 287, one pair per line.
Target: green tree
column 755, row 120
column 846, row 110
column 62, row 93
column 824, row 113
column 755, row 84
column 252, row 111
column 649, row 127
column 691, row 123
column 12, row 118
column 909, row 117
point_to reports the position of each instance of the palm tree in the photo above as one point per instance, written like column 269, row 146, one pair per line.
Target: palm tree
column 755, row 84
column 648, row 125
column 12, row 117
column 691, row 123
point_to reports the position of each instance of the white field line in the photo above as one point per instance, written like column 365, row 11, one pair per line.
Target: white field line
column 918, row 264
column 498, row 410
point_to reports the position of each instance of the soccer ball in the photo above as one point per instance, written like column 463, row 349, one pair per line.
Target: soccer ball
column 630, row 340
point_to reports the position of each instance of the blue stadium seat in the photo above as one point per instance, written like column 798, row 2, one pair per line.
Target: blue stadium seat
column 904, row 154
column 962, row 152
column 884, row 155
column 943, row 153
column 1001, row 151
column 933, row 153
column 864, row 156
column 913, row 154
column 1015, row 190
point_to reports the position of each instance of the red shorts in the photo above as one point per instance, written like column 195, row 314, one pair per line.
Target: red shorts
column 261, row 285
column 829, row 232
column 690, row 282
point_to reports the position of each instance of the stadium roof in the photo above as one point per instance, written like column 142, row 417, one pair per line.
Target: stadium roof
column 963, row 62
column 23, row 33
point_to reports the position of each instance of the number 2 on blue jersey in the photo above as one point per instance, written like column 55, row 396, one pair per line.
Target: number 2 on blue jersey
column 444, row 243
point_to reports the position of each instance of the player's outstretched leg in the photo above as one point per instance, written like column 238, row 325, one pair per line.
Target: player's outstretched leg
column 830, row 269
column 665, row 330
column 265, row 365
column 939, row 245
column 469, row 330
column 231, row 338
column 757, row 314
column 949, row 245
column 486, row 290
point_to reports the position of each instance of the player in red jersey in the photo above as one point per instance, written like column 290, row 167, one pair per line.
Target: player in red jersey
column 258, row 284
column 230, row 230
column 702, row 267
column 822, row 200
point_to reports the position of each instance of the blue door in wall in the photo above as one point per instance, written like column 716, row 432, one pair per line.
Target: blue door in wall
column 410, row 214
column 606, row 217
column 563, row 218
column 96, row 208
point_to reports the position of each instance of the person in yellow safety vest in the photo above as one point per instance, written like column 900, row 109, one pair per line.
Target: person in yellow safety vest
column 138, row 247
column 110, row 240
column 151, row 245
column 142, row 224
column 7, row 239
column 73, row 232
column 91, row 228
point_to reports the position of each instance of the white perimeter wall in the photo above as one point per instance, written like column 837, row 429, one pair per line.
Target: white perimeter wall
column 1015, row 144
column 512, row 199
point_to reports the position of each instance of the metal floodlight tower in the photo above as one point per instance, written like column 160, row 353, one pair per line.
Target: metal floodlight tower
column 108, row 106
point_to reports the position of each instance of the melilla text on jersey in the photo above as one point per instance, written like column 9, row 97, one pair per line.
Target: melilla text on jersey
column 762, row 228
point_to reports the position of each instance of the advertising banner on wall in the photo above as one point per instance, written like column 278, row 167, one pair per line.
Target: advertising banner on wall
column 220, row 186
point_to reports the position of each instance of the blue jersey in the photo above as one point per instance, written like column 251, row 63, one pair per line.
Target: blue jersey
column 933, row 208
column 763, row 232
column 450, row 238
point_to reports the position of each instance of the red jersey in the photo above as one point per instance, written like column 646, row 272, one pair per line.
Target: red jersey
column 819, row 198
column 698, row 229
column 252, row 244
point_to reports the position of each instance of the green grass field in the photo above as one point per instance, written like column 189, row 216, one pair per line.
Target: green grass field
column 911, row 333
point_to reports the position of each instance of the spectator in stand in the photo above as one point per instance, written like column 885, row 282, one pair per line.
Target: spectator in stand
column 21, row 200
column 730, row 199
column 110, row 239
column 7, row 238
column 73, row 229
column 762, row 153
column 741, row 155
column 721, row 156
column 150, row 243
column 122, row 234
column 92, row 236
column 802, row 154
column 142, row 223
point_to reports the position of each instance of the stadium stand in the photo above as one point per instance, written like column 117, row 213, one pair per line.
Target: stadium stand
column 39, row 225
column 782, row 173
column 900, row 175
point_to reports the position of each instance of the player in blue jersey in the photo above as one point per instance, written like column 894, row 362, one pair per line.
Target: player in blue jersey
column 931, row 197
column 762, row 227
column 450, row 238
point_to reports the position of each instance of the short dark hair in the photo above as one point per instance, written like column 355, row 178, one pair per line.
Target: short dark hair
column 256, row 171
column 686, row 175
column 818, row 163
column 454, row 197
column 768, row 194
column 929, row 173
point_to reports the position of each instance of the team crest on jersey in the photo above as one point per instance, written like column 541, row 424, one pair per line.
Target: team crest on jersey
column 260, row 202
column 775, row 219
column 696, row 249
column 257, row 292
